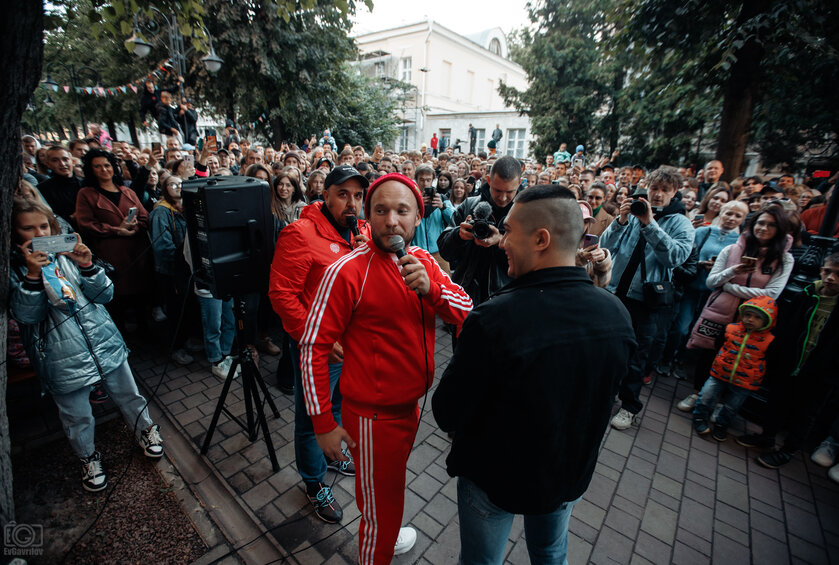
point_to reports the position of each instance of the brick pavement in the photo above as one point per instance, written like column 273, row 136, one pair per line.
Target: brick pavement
column 660, row 494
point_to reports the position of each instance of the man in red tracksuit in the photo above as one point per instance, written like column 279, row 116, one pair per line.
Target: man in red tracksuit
column 304, row 249
column 382, row 310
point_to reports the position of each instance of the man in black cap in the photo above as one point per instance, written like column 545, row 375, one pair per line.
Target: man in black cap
column 769, row 194
column 325, row 232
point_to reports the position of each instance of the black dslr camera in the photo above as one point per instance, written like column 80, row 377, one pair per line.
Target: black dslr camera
column 638, row 207
column 482, row 221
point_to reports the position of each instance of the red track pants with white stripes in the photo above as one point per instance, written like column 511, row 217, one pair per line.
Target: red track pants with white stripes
column 381, row 458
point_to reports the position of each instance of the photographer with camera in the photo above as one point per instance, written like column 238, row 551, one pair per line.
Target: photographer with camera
column 438, row 213
column 650, row 237
column 470, row 243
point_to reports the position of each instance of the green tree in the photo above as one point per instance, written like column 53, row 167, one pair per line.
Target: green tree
column 738, row 49
column 570, row 75
column 21, row 42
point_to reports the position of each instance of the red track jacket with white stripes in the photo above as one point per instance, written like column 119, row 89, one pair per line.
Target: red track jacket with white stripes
column 362, row 302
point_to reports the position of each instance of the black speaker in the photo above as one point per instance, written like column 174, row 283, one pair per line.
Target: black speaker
column 230, row 232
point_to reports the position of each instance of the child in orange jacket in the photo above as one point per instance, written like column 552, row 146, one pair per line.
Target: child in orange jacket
column 738, row 368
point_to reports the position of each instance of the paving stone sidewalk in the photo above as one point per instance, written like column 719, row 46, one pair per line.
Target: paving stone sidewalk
column 660, row 494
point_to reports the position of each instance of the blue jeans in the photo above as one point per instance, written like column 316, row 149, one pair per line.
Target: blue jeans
column 734, row 398
column 311, row 462
column 484, row 529
column 219, row 326
column 76, row 414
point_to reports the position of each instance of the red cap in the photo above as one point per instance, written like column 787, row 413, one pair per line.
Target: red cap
column 399, row 178
column 585, row 208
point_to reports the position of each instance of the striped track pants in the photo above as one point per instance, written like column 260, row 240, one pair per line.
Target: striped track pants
column 381, row 457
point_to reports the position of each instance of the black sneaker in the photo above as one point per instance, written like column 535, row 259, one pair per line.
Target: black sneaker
column 151, row 442
column 325, row 505
column 701, row 426
column 346, row 468
column 93, row 476
column 98, row 394
column 775, row 459
column 756, row 440
column 720, row 432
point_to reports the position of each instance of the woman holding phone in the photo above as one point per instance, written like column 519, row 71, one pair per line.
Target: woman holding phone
column 759, row 264
column 114, row 223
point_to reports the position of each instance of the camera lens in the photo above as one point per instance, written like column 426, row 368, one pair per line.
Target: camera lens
column 638, row 208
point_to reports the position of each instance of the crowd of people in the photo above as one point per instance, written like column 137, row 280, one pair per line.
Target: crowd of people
column 683, row 276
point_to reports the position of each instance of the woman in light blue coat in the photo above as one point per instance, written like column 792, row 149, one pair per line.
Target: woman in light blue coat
column 70, row 338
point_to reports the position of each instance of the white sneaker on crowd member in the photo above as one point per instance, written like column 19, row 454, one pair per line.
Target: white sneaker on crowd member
column 825, row 454
column 157, row 314
column 221, row 368
column 93, row 476
column 623, row 419
column 151, row 442
column 182, row 357
column 833, row 474
column 688, row 403
column 405, row 541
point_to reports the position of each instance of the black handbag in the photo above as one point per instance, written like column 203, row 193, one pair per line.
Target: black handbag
column 657, row 294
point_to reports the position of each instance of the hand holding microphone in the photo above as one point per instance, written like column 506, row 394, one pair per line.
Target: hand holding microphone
column 413, row 271
column 358, row 239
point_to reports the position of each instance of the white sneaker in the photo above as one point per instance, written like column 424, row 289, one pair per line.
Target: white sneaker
column 826, row 453
column 157, row 314
column 833, row 474
column 182, row 357
column 623, row 419
column 688, row 403
column 221, row 368
column 405, row 541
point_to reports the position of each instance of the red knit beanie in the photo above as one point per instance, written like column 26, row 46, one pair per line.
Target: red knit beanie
column 399, row 178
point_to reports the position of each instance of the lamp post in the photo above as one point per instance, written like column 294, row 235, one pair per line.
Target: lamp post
column 75, row 74
column 177, row 52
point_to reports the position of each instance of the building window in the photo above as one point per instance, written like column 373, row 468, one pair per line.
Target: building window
column 405, row 69
column 380, row 69
column 447, row 79
column 495, row 46
column 470, row 86
column 403, row 139
column 480, row 140
column 515, row 142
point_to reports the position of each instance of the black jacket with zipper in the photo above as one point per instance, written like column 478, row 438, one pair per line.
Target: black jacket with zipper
column 529, row 390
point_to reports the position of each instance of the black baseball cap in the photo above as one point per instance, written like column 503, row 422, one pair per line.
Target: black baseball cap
column 343, row 173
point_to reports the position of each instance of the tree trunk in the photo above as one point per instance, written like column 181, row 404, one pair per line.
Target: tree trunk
column 740, row 92
column 132, row 130
column 21, row 42
column 277, row 131
column 112, row 129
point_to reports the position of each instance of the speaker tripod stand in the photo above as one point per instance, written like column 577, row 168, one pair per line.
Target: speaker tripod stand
column 252, row 386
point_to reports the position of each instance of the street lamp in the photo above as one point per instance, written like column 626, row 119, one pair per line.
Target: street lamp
column 75, row 75
column 177, row 52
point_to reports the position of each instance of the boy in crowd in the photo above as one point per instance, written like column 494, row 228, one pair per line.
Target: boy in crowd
column 738, row 368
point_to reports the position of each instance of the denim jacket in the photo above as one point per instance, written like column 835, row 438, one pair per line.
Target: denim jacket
column 669, row 243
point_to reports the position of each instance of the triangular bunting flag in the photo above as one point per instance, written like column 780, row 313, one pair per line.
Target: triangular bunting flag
column 66, row 89
column 134, row 88
column 89, row 89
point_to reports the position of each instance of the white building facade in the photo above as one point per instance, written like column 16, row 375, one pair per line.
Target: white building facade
column 454, row 82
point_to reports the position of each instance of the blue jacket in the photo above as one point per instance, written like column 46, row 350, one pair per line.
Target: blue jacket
column 167, row 227
column 669, row 243
column 432, row 226
column 68, row 351
column 710, row 240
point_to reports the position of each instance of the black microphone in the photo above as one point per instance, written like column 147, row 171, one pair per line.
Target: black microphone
column 397, row 245
column 353, row 222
